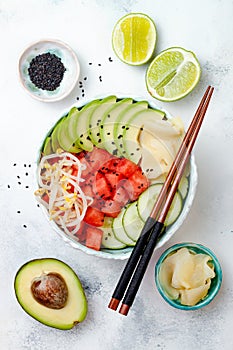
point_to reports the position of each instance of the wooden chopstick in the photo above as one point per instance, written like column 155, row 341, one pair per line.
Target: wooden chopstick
column 148, row 238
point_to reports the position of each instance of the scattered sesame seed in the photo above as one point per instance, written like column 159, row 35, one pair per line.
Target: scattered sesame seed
column 8, row 186
column 85, row 78
column 25, row 226
column 18, row 211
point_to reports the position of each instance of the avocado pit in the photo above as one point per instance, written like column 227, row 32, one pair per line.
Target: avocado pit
column 50, row 290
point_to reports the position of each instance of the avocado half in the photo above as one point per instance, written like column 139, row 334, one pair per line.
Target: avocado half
column 50, row 291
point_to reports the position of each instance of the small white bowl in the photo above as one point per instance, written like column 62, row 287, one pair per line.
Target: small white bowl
column 68, row 58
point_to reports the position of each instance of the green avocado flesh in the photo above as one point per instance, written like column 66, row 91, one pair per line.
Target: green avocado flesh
column 73, row 310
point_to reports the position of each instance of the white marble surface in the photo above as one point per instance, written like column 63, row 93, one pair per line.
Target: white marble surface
column 202, row 26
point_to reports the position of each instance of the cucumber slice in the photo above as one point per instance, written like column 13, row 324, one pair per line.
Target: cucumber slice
column 109, row 240
column 183, row 187
column 147, row 199
column 132, row 223
column 118, row 230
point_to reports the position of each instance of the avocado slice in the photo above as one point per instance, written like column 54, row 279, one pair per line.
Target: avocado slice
column 108, row 122
column 54, row 136
column 121, row 122
column 65, row 133
column 133, row 129
column 82, row 125
column 96, row 117
column 47, row 147
column 51, row 292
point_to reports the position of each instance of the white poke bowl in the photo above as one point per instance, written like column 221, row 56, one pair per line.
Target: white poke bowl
column 122, row 254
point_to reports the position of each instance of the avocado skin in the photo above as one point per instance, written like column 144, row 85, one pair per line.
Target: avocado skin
column 78, row 288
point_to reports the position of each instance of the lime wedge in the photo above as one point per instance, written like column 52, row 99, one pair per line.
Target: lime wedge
column 134, row 38
column 173, row 74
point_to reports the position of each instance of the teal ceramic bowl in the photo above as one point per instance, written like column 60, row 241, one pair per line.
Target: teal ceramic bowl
column 215, row 282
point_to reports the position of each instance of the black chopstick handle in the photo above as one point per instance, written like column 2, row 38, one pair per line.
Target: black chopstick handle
column 133, row 259
column 142, row 265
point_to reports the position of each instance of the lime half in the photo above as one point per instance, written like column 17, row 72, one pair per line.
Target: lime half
column 173, row 74
column 134, row 38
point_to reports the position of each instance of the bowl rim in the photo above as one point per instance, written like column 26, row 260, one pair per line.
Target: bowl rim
column 203, row 249
column 124, row 253
column 71, row 52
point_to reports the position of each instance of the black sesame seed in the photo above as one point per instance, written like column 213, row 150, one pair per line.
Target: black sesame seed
column 99, row 120
column 85, row 78
column 25, row 226
column 8, row 186
column 25, row 165
column 132, row 154
column 14, row 164
column 99, row 140
column 26, row 174
column 81, row 143
column 137, row 149
column 120, row 136
column 77, row 98
column 115, row 152
column 26, row 186
column 18, row 211
column 99, row 64
column 38, row 205
column 108, row 133
column 18, row 177
column 110, row 59
column 109, row 116
column 83, row 95
column 46, row 71
column 19, row 183
column 82, row 90
column 127, row 128
column 100, row 78
column 113, row 143
column 123, row 126
column 101, row 126
column 90, row 63
column 29, row 165
column 98, row 134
